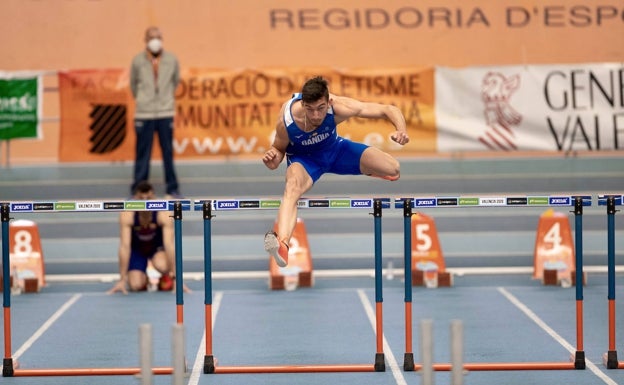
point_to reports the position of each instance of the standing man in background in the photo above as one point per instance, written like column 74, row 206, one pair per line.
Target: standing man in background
column 154, row 76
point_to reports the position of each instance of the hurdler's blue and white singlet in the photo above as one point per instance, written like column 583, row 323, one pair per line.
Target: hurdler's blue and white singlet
column 321, row 150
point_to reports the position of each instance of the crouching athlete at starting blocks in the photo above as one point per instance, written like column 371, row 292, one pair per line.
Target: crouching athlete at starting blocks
column 145, row 236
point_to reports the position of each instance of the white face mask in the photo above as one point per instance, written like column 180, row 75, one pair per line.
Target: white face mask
column 154, row 45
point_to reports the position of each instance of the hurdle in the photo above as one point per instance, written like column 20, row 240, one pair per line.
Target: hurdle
column 207, row 206
column 9, row 368
column 577, row 361
column 610, row 358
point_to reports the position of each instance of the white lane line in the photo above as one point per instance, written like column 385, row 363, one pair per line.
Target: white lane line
column 568, row 346
column 46, row 325
column 392, row 362
column 198, row 366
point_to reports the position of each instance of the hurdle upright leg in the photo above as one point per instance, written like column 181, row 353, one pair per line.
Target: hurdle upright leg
column 7, row 361
column 380, row 362
column 408, row 358
column 610, row 358
column 177, row 220
column 209, row 362
column 579, row 356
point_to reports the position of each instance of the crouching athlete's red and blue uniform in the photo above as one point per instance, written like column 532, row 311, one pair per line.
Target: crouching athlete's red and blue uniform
column 146, row 241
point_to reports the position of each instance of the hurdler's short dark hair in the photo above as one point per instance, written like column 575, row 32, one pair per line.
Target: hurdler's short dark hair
column 314, row 89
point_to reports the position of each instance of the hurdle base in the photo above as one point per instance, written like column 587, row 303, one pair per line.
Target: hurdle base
column 7, row 367
column 209, row 364
column 408, row 362
column 579, row 359
column 501, row 366
column 380, row 362
column 610, row 360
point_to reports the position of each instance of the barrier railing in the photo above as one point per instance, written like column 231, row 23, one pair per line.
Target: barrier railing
column 8, row 367
column 235, row 204
column 407, row 204
column 577, row 202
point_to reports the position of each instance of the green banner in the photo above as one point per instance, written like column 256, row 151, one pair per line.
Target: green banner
column 19, row 108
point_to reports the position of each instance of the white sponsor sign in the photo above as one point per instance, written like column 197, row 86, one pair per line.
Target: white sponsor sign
column 536, row 107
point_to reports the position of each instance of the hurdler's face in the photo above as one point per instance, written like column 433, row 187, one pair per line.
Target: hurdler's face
column 316, row 111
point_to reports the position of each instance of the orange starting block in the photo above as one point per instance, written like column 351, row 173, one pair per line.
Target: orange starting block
column 298, row 272
column 553, row 260
column 428, row 266
column 26, row 257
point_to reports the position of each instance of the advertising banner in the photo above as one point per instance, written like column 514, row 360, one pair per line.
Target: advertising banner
column 94, row 116
column 558, row 108
column 554, row 108
column 234, row 112
column 20, row 106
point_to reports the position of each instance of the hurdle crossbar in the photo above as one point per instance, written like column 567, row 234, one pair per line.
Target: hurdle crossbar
column 231, row 204
column 210, row 365
column 235, row 204
column 466, row 201
column 177, row 206
column 577, row 202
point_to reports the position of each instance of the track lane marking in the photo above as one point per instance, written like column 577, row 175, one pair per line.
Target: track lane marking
column 46, row 325
column 392, row 362
column 550, row 331
column 198, row 365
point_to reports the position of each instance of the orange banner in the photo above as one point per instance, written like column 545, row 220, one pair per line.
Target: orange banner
column 234, row 112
